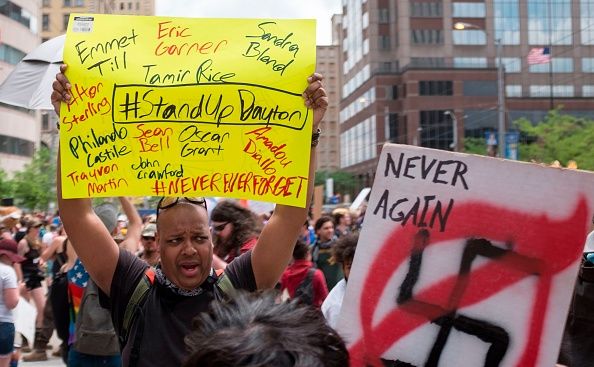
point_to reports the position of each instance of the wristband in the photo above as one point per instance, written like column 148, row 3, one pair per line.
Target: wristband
column 315, row 138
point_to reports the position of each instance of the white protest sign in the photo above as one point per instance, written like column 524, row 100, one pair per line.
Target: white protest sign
column 465, row 261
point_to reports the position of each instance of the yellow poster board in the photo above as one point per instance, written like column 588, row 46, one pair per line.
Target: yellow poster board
column 185, row 107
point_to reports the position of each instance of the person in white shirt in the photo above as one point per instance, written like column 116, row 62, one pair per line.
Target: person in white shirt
column 343, row 253
column 9, row 297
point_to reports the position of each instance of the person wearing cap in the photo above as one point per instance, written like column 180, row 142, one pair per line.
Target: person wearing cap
column 150, row 248
column 9, row 297
column 184, row 282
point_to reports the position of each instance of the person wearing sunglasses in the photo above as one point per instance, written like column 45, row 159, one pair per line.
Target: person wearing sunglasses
column 184, row 280
column 234, row 230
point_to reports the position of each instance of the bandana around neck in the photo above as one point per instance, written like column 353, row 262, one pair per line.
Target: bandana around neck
column 162, row 279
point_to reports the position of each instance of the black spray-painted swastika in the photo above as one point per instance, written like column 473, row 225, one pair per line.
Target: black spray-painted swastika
column 495, row 336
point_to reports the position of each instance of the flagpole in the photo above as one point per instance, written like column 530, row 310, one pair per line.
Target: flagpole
column 551, row 101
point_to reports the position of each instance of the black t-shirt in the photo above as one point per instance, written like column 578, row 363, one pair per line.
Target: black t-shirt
column 167, row 317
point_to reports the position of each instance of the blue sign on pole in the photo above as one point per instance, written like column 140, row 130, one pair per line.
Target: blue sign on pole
column 512, row 138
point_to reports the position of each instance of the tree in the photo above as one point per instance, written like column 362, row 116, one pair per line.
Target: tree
column 5, row 185
column 34, row 186
column 344, row 182
column 559, row 137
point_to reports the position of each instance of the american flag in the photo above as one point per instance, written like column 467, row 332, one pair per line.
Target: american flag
column 539, row 55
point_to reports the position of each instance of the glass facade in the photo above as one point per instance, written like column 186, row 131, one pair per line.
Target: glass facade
column 353, row 43
column 16, row 146
column 468, row 10
column 470, row 62
column 588, row 65
column 358, row 144
column 507, row 21
column 559, row 65
column 512, row 64
column 426, row 36
column 10, row 54
column 512, row 90
column 587, row 22
column 425, row 9
column 436, row 129
column 549, row 22
column 15, row 12
column 469, row 37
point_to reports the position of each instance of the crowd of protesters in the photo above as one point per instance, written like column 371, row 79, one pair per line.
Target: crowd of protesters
column 45, row 261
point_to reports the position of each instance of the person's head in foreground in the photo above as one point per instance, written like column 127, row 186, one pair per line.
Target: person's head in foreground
column 344, row 252
column 254, row 330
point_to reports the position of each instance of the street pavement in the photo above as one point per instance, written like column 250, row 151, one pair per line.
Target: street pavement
column 52, row 361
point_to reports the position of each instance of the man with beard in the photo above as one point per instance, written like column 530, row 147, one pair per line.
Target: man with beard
column 234, row 230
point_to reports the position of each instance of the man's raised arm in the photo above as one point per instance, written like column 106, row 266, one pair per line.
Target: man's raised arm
column 89, row 237
column 277, row 240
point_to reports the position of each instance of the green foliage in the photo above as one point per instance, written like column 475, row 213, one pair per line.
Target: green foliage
column 559, row 137
column 34, row 186
column 5, row 185
column 475, row 146
column 344, row 182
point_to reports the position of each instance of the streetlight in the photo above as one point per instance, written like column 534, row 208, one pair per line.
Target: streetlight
column 454, row 144
column 500, row 85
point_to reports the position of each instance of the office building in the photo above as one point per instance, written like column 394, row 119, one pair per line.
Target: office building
column 328, row 148
column 415, row 70
column 19, row 127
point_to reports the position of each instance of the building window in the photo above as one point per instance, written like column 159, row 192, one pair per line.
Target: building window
column 436, row 129
column 588, row 65
column 394, row 94
column 392, row 129
column 512, row 64
column 482, row 88
column 384, row 16
column 130, row 5
column 10, row 54
column 45, row 122
column 65, row 19
column 587, row 22
column 122, row 6
column 15, row 12
column 358, row 143
column 507, row 21
column 67, row 3
column 545, row 91
column 470, row 62
column 436, row 88
column 513, row 90
column 559, row 65
column 549, row 22
column 427, row 62
column 468, row 10
column 45, row 3
column 384, row 42
column 45, row 20
column 469, row 37
column 16, row 146
column 426, row 36
column 425, row 9
column 588, row 91
column 79, row 3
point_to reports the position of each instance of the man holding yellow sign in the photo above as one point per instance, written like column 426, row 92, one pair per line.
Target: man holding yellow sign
column 184, row 283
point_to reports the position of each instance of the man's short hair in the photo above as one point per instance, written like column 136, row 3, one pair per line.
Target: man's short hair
column 344, row 248
column 253, row 330
column 300, row 250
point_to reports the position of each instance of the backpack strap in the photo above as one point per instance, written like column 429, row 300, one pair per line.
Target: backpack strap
column 135, row 303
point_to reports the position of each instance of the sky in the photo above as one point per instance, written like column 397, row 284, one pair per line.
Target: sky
column 322, row 10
